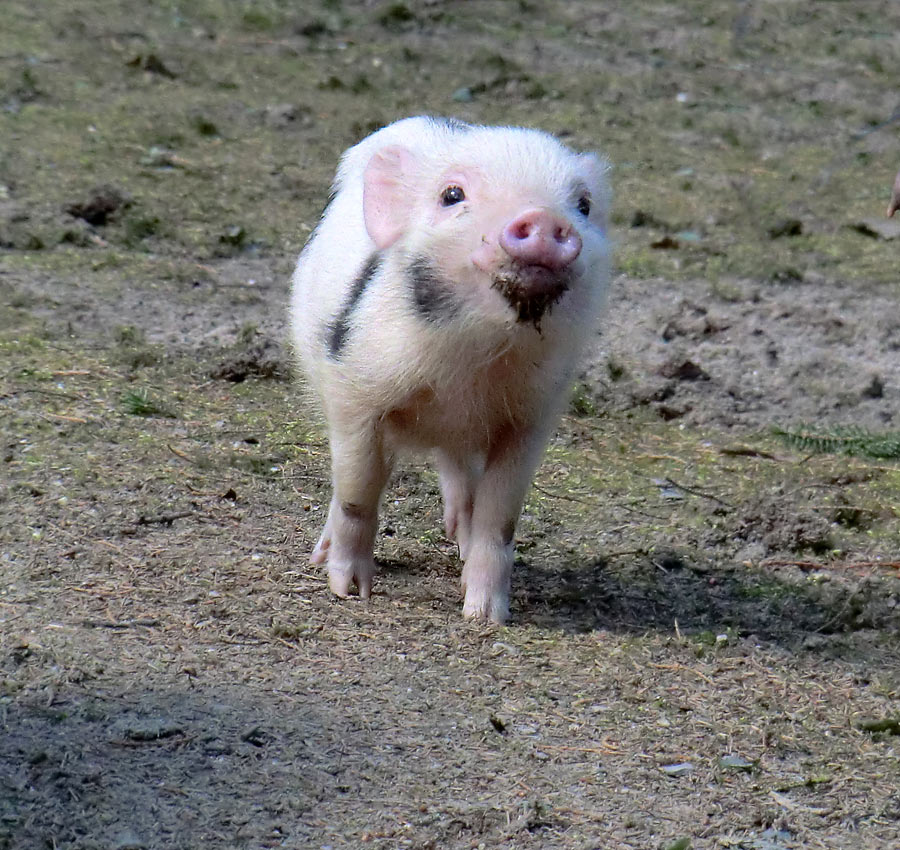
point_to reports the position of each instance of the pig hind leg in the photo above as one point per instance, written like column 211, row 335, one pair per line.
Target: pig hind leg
column 360, row 469
column 459, row 476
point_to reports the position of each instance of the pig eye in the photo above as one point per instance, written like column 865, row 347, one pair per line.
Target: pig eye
column 584, row 205
column 452, row 195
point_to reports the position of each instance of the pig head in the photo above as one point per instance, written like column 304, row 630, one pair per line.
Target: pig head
column 440, row 306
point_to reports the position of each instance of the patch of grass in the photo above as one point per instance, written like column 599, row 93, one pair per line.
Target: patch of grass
column 615, row 369
column 129, row 335
column 204, row 126
column 396, row 16
column 582, row 404
column 141, row 403
column 259, row 20
column 140, row 228
column 262, row 465
column 845, row 439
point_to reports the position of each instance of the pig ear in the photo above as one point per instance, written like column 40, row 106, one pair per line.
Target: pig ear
column 386, row 197
column 593, row 167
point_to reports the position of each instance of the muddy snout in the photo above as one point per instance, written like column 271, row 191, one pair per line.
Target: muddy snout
column 541, row 247
column 539, row 237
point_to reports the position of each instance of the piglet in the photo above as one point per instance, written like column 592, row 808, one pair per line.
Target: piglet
column 440, row 306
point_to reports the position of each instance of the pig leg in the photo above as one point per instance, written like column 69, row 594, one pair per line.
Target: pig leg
column 360, row 469
column 498, row 503
column 459, row 476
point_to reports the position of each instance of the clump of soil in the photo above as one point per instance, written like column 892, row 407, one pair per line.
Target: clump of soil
column 99, row 205
column 261, row 358
column 781, row 525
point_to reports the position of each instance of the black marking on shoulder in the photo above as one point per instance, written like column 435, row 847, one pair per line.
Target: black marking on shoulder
column 433, row 296
column 337, row 331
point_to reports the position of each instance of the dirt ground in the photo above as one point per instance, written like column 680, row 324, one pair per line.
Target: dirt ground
column 705, row 632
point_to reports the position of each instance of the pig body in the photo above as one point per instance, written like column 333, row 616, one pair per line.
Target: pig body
column 441, row 305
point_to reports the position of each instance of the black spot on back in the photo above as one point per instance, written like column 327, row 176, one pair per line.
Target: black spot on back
column 339, row 328
column 433, row 296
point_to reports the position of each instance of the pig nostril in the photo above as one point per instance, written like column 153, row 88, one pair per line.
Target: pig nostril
column 522, row 230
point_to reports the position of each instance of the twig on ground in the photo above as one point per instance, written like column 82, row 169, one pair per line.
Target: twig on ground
column 119, row 624
column 163, row 519
column 818, row 565
column 694, row 492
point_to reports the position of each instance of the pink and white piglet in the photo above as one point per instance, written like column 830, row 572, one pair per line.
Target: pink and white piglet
column 441, row 305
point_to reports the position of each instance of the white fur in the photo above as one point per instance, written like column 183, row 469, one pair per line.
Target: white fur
column 480, row 389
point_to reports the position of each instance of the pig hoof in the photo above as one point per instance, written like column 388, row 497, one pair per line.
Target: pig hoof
column 341, row 579
column 486, row 606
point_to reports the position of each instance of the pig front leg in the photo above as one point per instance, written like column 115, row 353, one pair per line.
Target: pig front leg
column 498, row 502
column 459, row 476
column 360, row 469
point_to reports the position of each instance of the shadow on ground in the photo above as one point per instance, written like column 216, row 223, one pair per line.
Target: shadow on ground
column 791, row 605
column 159, row 768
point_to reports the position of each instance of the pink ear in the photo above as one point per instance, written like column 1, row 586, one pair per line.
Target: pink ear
column 386, row 197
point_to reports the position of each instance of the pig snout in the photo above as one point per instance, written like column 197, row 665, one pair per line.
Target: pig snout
column 539, row 238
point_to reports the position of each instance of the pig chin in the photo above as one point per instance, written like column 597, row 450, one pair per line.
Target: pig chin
column 531, row 291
